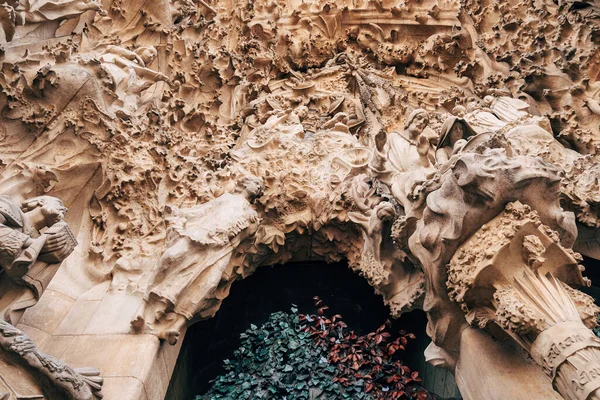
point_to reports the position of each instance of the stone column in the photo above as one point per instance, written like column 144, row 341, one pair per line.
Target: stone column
column 513, row 274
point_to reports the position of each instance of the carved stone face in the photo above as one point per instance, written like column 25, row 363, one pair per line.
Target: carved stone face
column 253, row 187
column 301, row 112
column 472, row 106
column 418, row 123
column 459, row 111
column 457, row 133
column 488, row 100
column 147, row 54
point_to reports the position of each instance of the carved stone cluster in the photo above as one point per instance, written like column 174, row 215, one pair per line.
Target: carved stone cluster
column 33, row 236
column 515, row 273
column 198, row 140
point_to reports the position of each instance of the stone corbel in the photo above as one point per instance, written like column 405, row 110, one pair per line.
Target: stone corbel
column 513, row 274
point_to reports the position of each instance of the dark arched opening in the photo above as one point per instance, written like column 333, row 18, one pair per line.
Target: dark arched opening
column 269, row 290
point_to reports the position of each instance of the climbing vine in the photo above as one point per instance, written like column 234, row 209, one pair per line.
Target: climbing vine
column 317, row 357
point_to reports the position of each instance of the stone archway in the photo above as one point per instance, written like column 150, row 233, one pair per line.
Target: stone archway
column 272, row 289
column 348, row 111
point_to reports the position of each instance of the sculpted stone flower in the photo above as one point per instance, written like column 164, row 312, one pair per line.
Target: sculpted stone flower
column 270, row 236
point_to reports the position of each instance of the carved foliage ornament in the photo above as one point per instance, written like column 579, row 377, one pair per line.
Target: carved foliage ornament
column 513, row 272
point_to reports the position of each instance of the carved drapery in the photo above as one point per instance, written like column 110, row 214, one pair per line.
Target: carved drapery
column 385, row 134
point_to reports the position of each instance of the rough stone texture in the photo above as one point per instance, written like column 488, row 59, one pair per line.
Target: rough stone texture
column 34, row 239
column 194, row 141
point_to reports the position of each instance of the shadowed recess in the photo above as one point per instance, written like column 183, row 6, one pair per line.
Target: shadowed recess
column 208, row 343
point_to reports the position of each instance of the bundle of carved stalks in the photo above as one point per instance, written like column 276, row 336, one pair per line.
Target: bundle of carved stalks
column 514, row 274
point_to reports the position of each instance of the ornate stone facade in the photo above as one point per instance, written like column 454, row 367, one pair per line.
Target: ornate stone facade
column 33, row 237
column 447, row 150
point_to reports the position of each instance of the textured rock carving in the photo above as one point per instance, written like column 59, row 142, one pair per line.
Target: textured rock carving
column 385, row 133
column 453, row 137
column 473, row 192
column 24, row 257
column 21, row 12
column 410, row 157
column 514, row 273
column 62, row 380
column 25, row 252
column 128, row 75
column 385, row 266
column 187, row 280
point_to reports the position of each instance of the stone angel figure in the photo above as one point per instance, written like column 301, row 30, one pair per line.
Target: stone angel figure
column 200, row 244
column 404, row 160
column 130, row 75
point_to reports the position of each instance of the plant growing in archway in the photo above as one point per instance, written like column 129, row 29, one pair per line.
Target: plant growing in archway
column 317, row 357
column 370, row 361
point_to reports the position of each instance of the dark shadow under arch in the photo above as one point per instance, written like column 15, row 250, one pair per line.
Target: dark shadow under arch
column 251, row 301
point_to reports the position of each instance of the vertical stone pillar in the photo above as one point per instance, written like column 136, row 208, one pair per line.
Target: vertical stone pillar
column 513, row 274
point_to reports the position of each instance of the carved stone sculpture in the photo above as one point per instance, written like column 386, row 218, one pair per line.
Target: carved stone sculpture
column 386, row 134
column 129, row 75
column 20, row 12
column 453, row 137
column 24, row 256
column 385, row 266
column 514, row 273
column 410, row 156
column 25, row 252
column 58, row 379
column 186, row 280
column 473, row 192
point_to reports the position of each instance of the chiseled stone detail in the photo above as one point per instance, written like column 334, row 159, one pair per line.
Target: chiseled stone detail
column 514, row 272
column 188, row 278
column 194, row 141
column 33, row 235
column 55, row 378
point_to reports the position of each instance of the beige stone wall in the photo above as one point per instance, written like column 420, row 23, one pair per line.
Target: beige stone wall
column 195, row 141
